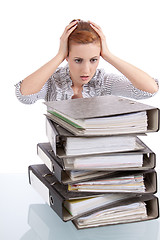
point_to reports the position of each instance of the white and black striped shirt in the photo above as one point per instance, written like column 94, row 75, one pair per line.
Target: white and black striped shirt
column 58, row 87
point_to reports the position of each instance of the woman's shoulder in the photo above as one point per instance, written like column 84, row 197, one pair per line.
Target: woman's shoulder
column 61, row 76
column 101, row 74
column 101, row 77
column 60, row 72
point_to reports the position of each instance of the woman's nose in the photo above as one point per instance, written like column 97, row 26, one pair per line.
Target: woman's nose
column 86, row 68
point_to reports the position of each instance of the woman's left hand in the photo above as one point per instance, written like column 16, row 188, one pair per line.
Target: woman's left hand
column 104, row 48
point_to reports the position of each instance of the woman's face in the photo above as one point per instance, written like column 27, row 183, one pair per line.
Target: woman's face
column 83, row 60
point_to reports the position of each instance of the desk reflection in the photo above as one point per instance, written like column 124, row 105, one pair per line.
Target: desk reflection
column 46, row 225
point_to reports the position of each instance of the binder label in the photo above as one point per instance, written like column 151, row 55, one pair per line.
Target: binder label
column 39, row 187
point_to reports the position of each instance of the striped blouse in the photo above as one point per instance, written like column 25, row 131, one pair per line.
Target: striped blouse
column 58, row 87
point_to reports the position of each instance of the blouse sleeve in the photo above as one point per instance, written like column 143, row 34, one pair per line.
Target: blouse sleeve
column 32, row 98
column 119, row 85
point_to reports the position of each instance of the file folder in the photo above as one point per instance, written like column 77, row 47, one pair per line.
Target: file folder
column 60, row 166
column 101, row 106
column 52, row 191
column 152, row 206
column 55, row 194
column 58, row 137
column 150, row 182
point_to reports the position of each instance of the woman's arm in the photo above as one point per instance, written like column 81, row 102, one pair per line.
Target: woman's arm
column 138, row 78
column 34, row 82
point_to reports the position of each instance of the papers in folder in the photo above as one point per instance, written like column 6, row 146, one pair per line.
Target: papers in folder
column 103, row 115
column 132, row 183
column 79, row 175
column 99, row 162
column 121, row 214
column 83, row 145
column 79, row 206
column 122, row 124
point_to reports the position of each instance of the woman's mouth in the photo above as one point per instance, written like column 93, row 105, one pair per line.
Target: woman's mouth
column 84, row 78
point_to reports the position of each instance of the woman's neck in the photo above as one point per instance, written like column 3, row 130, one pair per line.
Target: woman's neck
column 77, row 90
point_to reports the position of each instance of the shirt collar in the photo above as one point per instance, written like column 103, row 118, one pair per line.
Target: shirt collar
column 69, row 80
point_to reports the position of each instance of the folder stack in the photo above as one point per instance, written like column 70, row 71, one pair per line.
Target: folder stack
column 96, row 170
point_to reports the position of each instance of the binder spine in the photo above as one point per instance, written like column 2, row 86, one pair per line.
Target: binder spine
column 56, row 203
column 152, row 160
column 38, row 185
column 44, row 156
column 46, row 189
column 52, row 135
column 153, row 120
column 150, row 177
column 49, row 160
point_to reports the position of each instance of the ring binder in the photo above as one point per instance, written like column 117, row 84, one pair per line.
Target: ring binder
column 63, row 141
column 97, row 171
column 57, row 195
column 96, row 107
column 151, row 202
column 59, row 164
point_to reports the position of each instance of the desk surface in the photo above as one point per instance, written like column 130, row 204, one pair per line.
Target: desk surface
column 25, row 216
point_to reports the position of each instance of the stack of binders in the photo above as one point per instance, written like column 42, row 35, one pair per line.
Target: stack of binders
column 95, row 170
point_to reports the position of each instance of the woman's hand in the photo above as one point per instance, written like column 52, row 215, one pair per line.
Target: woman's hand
column 63, row 48
column 104, row 48
column 138, row 78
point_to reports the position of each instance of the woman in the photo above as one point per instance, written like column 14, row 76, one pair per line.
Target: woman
column 82, row 44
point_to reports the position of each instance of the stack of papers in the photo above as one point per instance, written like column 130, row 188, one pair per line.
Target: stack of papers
column 103, row 115
column 125, row 213
column 92, row 209
column 79, row 206
column 99, row 162
column 132, row 122
column 132, row 183
column 92, row 145
column 82, row 174
column 96, row 170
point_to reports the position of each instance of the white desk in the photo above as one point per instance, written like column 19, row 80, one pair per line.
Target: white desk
column 25, row 216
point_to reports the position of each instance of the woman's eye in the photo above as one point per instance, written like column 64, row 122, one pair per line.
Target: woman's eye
column 78, row 60
column 93, row 60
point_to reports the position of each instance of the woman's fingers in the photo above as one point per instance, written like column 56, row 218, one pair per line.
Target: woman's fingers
column 104, row 47
column 97, row 29
column 70, row 30
column 63, row 49
column 71, row 26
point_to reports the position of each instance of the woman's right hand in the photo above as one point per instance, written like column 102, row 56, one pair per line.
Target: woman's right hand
column 35, row 81
column 63, row 48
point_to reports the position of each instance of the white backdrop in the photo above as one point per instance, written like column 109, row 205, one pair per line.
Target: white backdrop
column 30, row 32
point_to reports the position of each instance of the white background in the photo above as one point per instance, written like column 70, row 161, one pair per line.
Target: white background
column 30, row 32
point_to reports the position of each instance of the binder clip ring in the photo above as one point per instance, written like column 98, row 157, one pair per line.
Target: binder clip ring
column 51, row 200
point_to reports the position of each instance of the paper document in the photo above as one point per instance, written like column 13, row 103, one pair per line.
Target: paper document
column 126, row 213
column 132, row 183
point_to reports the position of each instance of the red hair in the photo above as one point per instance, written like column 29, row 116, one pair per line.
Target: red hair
column 83, row 34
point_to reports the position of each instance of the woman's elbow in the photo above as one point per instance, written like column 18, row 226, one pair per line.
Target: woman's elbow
column 155, row 87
